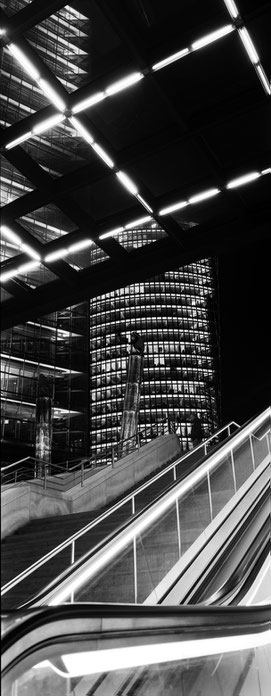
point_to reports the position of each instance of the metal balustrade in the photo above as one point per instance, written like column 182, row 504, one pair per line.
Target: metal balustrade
column 128, row 566
column 33, row 468
column 132, row 499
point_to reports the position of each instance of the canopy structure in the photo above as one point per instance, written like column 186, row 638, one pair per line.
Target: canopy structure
column 120, row 115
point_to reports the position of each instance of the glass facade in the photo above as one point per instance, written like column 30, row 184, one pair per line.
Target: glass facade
column 176, row 314
column 55, row 346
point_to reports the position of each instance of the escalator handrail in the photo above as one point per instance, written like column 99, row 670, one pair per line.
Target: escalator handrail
column 88, row 527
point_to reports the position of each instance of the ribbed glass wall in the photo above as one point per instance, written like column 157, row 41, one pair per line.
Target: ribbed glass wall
column 56, row 346
column 176, row 314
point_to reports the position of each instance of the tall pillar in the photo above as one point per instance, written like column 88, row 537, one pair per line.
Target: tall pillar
column 132, row 393
column 43, row 448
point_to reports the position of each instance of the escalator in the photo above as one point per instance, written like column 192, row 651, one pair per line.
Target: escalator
column 82, row 650
column 157, row 556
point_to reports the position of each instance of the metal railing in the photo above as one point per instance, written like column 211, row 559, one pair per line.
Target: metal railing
column 148, row 559
column 131, row 498
column 34, row 468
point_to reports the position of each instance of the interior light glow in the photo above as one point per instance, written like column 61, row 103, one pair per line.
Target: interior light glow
column 28, row 267
column 7, row 275
column 242, row 180
column 104, row 156
column 55, row 255
column 209, row 38
column 2, row 32
column 112, row 659
column 127, row 182
column 144, row 203
column 52, row 94
column 249, row 46
column 266, row 171
column 80, row 245
column 24, row 61
column 136, row 223
column 171, row 208
column 117, row 230
column 33, row 362
column 124, row 83
column 82, row 130
column 264, row 79
column 19, row 140
column 11, row 236
column 48, row 123
column 205, row 194
column 31, row 252
column 89, row 101
column 170, row 59
column 231, row 7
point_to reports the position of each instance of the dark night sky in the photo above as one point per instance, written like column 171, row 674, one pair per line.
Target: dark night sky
column 245, row 331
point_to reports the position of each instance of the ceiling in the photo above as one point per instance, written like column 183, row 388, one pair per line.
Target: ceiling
column 189, row 119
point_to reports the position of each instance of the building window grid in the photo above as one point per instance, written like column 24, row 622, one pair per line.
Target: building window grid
column 169, row 396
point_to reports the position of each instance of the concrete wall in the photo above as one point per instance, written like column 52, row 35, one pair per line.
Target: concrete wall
column 26, row 501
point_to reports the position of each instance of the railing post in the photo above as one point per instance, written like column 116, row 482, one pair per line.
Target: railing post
column 112, row 455
column 252, row 452
column 138, row 441
column 35, row 469
column 210, row 495
column 233, row 471
column 82, row 474
column 135, row 569
column 67, row 465
column 174, row 473
column 205, row 448
column 15, row 476
column 45, row 477
column 72, row 552
column 133, row 505
column 228, row 430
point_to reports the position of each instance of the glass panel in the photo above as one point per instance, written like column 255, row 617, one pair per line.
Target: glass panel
column 260, row 449
column 243, row 463
column 222, row 484
column 245, row 672
column 157, row 552
column 114, row 584
column 194, row 514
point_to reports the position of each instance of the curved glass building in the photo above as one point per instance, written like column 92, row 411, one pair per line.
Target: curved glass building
column 176, row 314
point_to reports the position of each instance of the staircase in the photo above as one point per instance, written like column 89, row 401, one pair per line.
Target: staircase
column 31, row 542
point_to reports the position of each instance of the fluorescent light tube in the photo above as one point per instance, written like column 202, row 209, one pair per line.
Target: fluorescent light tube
column 28, row 267
column 231, row 7
column 202, row 196
column 266, row 171
column 144, row 203
column 127, row 182
column 209, row 38
column 124, row 83
column 80, row 245
column 55, row 255
column 249, row 46
column 2, row 32
column 53, row 95
column 48, row 123
column 7, row 275
column 171, row 208
column 31, row 252
column 136, row 223
column 117, row 230
column 104, row 156
column 24, row 61
column 264, row 80
column 130, row 657
column 82, row 130
column 242, row 180
column 19, row 140
column 11, row 236
column 170, row 59
column 88, row 101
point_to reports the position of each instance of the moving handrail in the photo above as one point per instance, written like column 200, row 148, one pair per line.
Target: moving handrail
column 70, row 541
column 95, row 560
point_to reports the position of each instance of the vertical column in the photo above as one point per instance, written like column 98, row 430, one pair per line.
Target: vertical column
column 43, row 448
